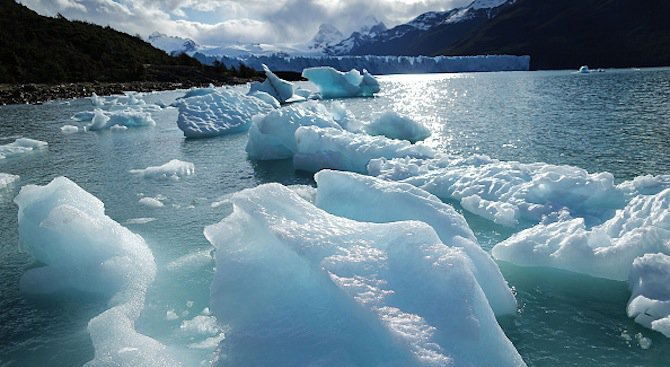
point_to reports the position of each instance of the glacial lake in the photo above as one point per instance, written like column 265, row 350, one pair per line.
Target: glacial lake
column 617, row 121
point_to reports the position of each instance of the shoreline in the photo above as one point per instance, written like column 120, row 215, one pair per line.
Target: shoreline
column 35, row 93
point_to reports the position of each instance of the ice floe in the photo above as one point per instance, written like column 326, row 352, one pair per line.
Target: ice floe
column 297, row 286
column 173, row 170
column 151, row 202
column 80, row 248
column 336, row 84
column 650, row 286
column 220, row 112
column 21, row 146
column 69, row 129
column 395, row 126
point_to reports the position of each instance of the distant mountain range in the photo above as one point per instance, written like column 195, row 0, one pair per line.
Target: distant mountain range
column 557, row 34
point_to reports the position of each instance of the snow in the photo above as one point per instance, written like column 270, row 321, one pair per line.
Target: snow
column 173, row 170
column 368, row 199
column 395, row 126
column 299, row 286
column 336, row 84
column 318, row 148
column 272, row 136
column 65, row 229
column 282, row 90
column 510, row 192
column 7, row 179
column 20, row 147
column 217, row 112
column 606, row 251
column 649, row 303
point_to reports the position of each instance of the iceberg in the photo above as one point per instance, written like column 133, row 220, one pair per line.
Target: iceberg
column 298, row 286
column 369, row 199
column 221, row 112
column 282, row 90
column 336, row 84
column 7, row 180
column 69, row 129
column 80, row 248
column 20, row 147
column 395, row 126
column 606, row 251
column 273, row 136
column 649, row 302
column 266, row 97
column 318, row 148
column 173, row 170
column 199, row 92
column 101, row 120
column 151, row 202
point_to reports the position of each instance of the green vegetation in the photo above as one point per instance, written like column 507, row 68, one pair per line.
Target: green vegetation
column 38, row 49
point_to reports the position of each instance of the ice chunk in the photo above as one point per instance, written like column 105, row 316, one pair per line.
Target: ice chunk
column 319, row 148
column 607, row 250
column 198, row 92
column 369, row 199
column 336, row 84
column 151, row 202
column 21, row 146
column 97, row 100
column 221, row 112
column 65, row 228
column 395, row 126
column 7, row 180
column 650, row 285
column 511, row 191
column 266, row 97
column 69, row 129
column 128, row 117
column 298, row 286
column 282, row 90
column 173, row 170
column 273, row 136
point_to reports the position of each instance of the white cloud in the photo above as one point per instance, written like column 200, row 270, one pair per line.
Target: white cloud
column 229, row 21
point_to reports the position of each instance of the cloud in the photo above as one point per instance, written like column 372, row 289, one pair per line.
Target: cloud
column 230, row 21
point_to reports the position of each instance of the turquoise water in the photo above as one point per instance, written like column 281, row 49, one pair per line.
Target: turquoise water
column 618, row 121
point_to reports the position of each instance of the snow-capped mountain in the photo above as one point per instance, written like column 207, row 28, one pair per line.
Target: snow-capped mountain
column 172, row 44
column 369, row 29
column 426, row 34
column 326, row 36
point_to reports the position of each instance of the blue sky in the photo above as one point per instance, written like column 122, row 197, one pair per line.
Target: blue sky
column 227, row 21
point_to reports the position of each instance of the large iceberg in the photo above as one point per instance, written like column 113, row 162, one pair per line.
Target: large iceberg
column 319, row 148
column 282, row 90
column 650, row 285
column 395, row 126
column 272, row 136
column 218, row 112
column 298, row 286
column 21, row 146
column 173, row 170
column 336, row 84
column 369, row 199
column 606, row 251
column 80, row 248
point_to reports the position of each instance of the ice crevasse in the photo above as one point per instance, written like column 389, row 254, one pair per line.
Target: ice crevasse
column 296, row 285
column 65, row 228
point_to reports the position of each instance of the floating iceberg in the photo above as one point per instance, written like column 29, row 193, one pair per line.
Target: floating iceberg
column 336, row 84
column 510, row 192
column 395, row 126
column 650, row 300
column 151, row 202
column 101, row 120
column 173, row 170
column 299, row 286
column 606, row 251
column 319, row 148
column 282, row 90
column 221, row 112
column 65, row 228
column 69, row 129
column 273, row 136
column 7, row 179
column 21, row 146
column 369, row 199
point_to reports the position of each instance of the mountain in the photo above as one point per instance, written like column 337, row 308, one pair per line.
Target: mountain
column 171, row 44
column 326, row 36
column 558, row 34
column 369, row 29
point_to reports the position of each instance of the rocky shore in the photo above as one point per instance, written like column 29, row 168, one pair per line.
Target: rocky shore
column 39, row 93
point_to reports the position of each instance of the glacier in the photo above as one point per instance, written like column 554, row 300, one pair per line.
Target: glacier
column 296, row 285
column 212, row 112
column 173, row 170
column 21, row 146
column 336, row 84
column 80, row 248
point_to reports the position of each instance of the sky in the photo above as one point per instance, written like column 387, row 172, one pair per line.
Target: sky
column 217, row 22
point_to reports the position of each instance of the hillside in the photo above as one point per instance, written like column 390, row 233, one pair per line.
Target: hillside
column 38, row 49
